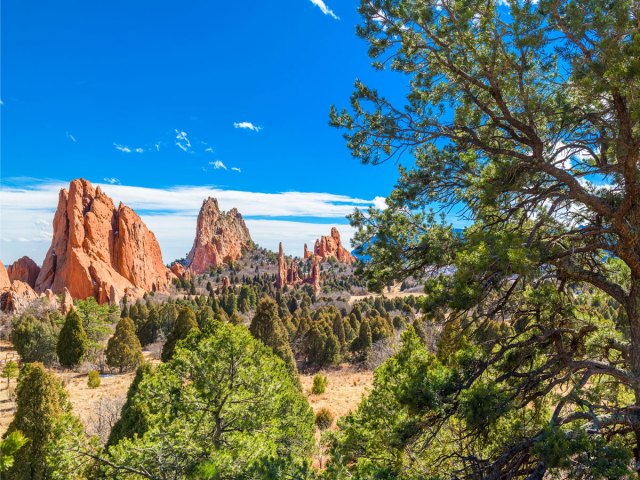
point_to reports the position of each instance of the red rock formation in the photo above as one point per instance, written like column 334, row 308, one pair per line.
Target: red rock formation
column 25, row 270
column 67, row 302
column 5, row 282
column 99, row 250
column 307, row 253
column 17, row 298
column 291, row 275
column 314, row 279
column 220, row 238
column 281, row 278
column 178, row 270
column 225, row 282
column 331, row 246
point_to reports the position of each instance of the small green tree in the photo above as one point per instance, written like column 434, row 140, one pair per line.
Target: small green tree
column 93, row 379
column 35, row 339
column 185, row 322
column 319, row 384
column 43, row 417
column 324, row 419
column 123, row 349
column 267, row 327
column 10, row 371
column 72, row 343
column 361, row 346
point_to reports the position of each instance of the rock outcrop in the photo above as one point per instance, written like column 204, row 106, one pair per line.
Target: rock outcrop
column 25, row 270
column 5, row 281
column 331, row 246
column 179, row 271
column 291, row 276
column 17, row 298
column 99, row 250
column 307, row 252
column 220, row 238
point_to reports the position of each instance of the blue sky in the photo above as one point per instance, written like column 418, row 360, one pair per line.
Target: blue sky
column 155, row 95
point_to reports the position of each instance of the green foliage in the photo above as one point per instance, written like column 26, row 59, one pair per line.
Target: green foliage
column 319, row 384
column 267, row 326
column 124, row 351
column 133, row 417
column 10, row 370
column 361, row 346
column 184, row 324
column 324, row 419
column 34, row 339
column 9, row 447
column 225, row 402
column 97, row 321
column 93, row 379
column 43, row 417
column 72, row 342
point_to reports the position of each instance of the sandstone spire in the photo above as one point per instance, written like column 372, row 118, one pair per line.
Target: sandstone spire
column 220, row 238
column 331, row 246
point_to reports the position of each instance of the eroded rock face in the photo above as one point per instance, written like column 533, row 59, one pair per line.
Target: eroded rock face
column 220, row 238
column 307, row 252
column 5, row 282
column 99, row 250
column 17, row 298
column 179, row 271
column 331, row 246
column 25, row 270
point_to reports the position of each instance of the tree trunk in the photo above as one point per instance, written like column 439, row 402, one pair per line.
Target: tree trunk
column 633, row 312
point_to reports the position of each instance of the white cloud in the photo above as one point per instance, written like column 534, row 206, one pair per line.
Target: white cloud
column 209, row 150
column 72, row 138
column 157, row 146
column 236, row 169
column 111, row 180
column 247, row 126
column 218, row 165
column 326, row 10
column 139, row 150
column 380, row 203
column 122, row 148
column 171, row 213
column 182, row 141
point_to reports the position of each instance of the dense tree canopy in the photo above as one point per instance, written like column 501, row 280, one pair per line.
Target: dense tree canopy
column 223, row 407
column 523, row 119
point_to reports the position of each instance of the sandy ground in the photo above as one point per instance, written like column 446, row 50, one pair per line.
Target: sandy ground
column 98, row 408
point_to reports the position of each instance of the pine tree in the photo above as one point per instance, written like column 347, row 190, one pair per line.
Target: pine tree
column 41, row 403
column 185, row 322
column 267, row 327
column 132, row 419
column 72, row 342
column 362, row 344
column 124, row 351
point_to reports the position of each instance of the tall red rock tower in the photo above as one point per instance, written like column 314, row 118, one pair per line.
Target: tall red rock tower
column 220, row 238
column 99, row 250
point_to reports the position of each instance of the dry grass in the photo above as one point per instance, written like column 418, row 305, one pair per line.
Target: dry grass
column 345, row 387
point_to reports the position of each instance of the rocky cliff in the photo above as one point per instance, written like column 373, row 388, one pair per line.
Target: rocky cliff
column 220, row 238
column 100, row 250
column 331, row 246
column 25, row 270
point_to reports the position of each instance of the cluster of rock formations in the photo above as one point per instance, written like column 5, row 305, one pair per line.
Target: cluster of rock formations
column 17, row 293
column 330, row 246
column 108, row 252
column 220, row 239
column 290, row 275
